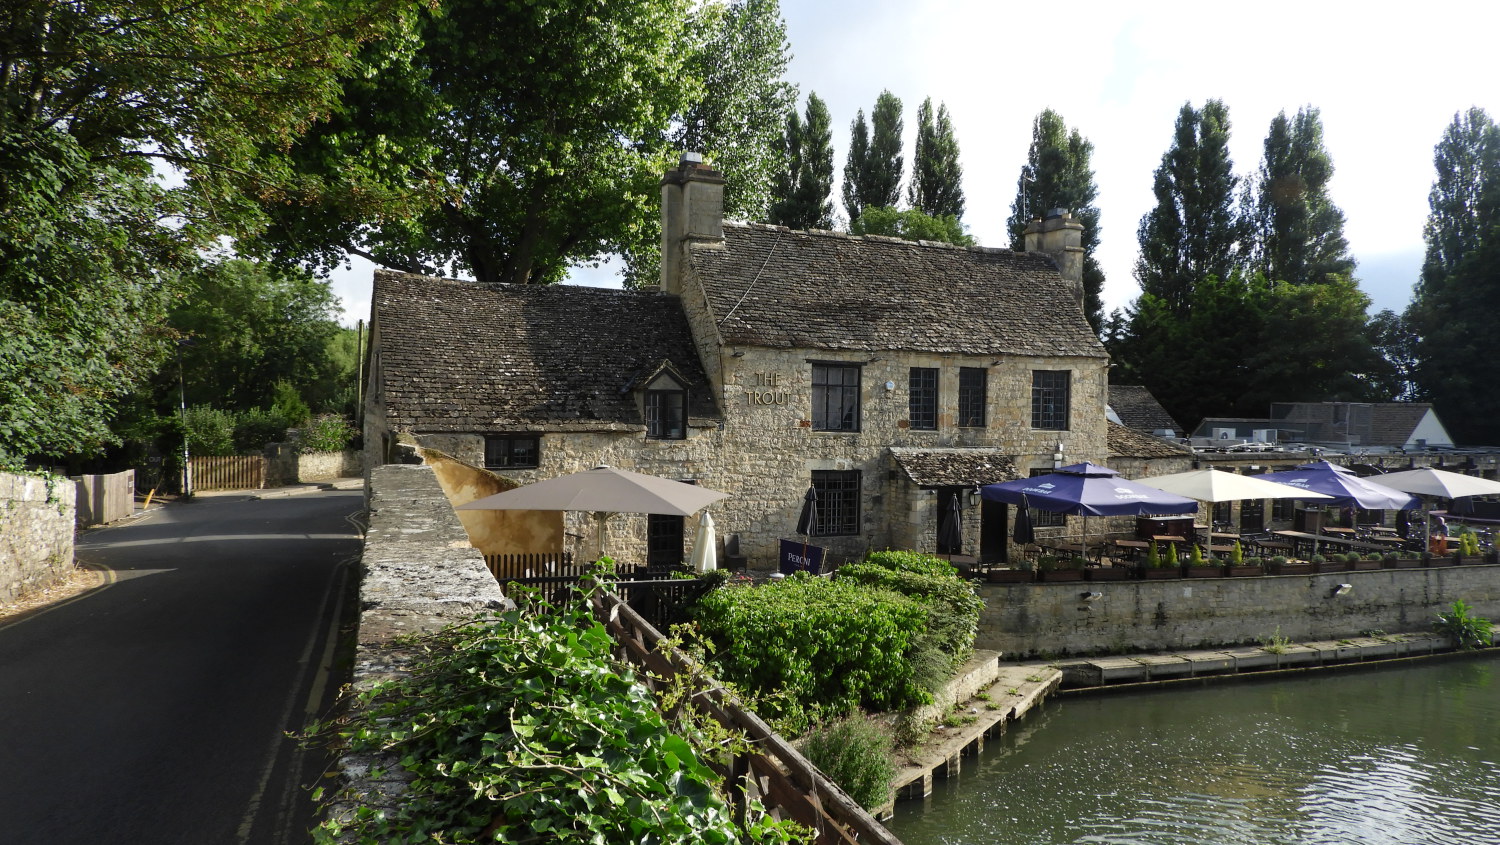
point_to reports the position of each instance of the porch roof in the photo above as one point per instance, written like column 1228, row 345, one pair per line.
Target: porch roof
column 955, row 466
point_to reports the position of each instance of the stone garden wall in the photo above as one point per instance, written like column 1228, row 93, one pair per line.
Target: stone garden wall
column 36, row 533
column 1045, row 619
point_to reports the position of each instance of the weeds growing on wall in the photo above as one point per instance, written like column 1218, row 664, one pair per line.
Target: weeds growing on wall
column 521, row 728
column 1464, row 628
column 855, row 753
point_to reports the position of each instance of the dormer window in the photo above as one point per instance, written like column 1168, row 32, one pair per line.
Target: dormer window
column 666, row 409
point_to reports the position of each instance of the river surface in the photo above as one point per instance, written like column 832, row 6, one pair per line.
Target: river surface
column 1401, row 756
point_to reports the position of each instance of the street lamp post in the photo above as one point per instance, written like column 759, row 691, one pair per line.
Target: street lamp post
column 187, row 466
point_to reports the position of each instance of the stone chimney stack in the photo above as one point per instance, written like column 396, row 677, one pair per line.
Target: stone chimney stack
column 692, row 208
column 1061, row 237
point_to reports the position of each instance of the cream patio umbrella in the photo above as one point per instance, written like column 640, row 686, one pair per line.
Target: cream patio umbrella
column 1211, row 485
column 1439, row 483
column 603, row 490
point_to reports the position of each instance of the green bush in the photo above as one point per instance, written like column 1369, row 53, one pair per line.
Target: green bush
column 914, row 562
column 325, row 433
column 210, row 431
column 1153, row 557
column 855, row 753
column 811, row 646
column 952, row 609
column 527, row 721
column 257, row 427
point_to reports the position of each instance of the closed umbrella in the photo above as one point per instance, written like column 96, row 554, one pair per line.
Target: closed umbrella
column 950, row 529
column 807, row 521
column 1024, row 533
column 705, row 556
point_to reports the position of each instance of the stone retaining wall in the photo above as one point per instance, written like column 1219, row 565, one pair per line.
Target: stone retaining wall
column 1163, row 616
column 420, row 575
column 36, row 533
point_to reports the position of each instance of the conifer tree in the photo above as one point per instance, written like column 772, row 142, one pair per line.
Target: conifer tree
column 1453, row 309
column 801, row 195
column 1058, row 174
column 1299, row 232
column 936, row 187
column 872, row 175
column 1194, row 230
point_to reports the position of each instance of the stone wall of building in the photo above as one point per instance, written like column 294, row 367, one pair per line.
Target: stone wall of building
column 36, row 533
column 1162, row 616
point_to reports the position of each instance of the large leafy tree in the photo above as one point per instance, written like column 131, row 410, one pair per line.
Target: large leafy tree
column 1298, row 231
column 911, row 224
column 936, row 185
column 517, row 138
column 93, row 95
column 1459, row 293
column 873, row 169
column 801, row 195
column 1058, row 174
column 1194, row 231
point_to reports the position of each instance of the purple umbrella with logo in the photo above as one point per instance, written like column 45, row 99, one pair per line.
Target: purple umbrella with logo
column 1343, row 487
column 1087, row 490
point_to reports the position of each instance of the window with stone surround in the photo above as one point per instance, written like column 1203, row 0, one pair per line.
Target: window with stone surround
column 838, row 502
column 512, row 451
column 1050, row 394
column 835, row 397
column 973, row 389
column 922, row 398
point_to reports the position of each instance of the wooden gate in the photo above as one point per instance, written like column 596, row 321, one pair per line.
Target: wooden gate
column 228, row 472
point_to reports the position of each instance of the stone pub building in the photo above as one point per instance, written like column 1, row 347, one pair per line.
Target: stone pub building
column 893, row 377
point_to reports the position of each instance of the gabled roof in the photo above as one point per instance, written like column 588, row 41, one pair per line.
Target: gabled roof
column 471, row 357
column 774, row 287
column 1138, row 409
column 1125, row 442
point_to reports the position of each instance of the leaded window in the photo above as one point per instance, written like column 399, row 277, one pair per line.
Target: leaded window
column 838, row 502
column 512, row 451
column 922, row 398
column 973, row 386
column 835, row 397
column 1049, row 399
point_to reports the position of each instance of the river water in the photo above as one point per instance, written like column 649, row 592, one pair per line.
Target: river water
column 1400, row 756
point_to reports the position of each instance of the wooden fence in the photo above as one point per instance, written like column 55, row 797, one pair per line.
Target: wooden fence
column 231, row 472
column 772, row 771
column 554, row 576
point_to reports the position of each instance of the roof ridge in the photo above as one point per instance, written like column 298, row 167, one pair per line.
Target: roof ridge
column 879, row 239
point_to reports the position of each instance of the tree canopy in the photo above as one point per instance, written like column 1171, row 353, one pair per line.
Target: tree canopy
column 874, row 166
column 1298, row 231
column 1459, row 293
column 911, row 224
column 1194, row 231
column 517, row 139
column 936, row 186
column 1058, row 174
column 93, row 94
column 802, row 193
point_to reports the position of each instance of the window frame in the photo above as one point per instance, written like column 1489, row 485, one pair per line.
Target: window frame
column 973, row 399
column 656, row 418
column 848, row 395
column 1051, row 404
column 1045, row 518
column 490, row 440
column 839, row 493
column 922, row 393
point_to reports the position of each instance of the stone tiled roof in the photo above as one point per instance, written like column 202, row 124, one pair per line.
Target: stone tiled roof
column 774, row 287
column 1125, row 442
column 954, row 467
column 1138, row 409
column 470, row 357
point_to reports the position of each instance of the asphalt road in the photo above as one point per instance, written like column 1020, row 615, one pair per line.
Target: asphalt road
column 154, row 710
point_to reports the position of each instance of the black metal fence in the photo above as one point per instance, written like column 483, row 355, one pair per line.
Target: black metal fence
column 554, row 576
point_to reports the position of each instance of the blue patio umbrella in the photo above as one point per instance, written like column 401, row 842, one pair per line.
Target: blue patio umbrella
column 1344, row 488
column 1086, row 490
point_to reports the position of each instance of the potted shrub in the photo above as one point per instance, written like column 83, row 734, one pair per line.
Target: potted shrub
column 1469, row 551
column 1022, row 572
column 1279, row 565
column 1156, row 566
column 1053, row 568
column 1401, row 562
column 1199, row 567
column 1237, row 566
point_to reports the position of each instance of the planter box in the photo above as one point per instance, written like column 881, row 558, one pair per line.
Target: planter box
column 1061, row 575
column 1010, row 576
column 1203, row 572
column 1295, row 568
column 1107, row 573
column 1161, row 573
column 1395, row 564
column 1471, row 560
column 1243, row 571
column 1333, row 566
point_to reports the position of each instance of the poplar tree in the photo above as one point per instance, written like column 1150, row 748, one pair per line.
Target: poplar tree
column 801, row 197
column 1194, row 231
column 1452, row 311
column 1299, row 232
column 1058, row 174
column 872, row 174
column 936, row 187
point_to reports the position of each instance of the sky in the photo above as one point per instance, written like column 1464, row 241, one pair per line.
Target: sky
column 1387, row 78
